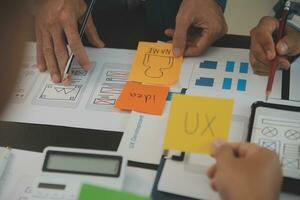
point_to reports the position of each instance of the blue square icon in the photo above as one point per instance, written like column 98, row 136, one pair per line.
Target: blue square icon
column 227, row 82
column 230, row 66
column 241, row 85
column 244, row 67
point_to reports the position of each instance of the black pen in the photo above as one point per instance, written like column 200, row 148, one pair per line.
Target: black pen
column 81, row 33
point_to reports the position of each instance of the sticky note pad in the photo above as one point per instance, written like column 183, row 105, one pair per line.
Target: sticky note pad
column 194, row 122
column 143, row 98
column 90, row 192
column 155, row 64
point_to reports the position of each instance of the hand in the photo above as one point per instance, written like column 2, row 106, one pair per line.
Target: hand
column 55, row 21
column 263, row 49
column 245, row 171
column 206, row 15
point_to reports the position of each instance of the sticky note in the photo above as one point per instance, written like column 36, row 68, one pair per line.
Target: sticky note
column 155, row 64
column 143, row 98
column 194, row 122
column 90, row 192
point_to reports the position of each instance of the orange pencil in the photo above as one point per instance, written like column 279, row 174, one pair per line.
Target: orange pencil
column 279, row 36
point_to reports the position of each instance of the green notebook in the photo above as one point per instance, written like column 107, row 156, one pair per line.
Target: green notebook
column 90, row 192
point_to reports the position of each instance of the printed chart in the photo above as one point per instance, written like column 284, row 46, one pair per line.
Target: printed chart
column 227, row 76
column 26, row 80
column 109, row 87
column 59, row 95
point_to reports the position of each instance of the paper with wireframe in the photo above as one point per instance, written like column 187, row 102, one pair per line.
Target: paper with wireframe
column 155, row 64
column 194, row 122
column 143, row 98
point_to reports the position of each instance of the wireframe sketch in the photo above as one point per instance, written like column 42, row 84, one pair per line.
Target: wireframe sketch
column 108, row 87
column 25, row 82
column 291, row 150
column 58, row 95
column 272, row 145
column 282, row 123
column 290, row 163
column 157, row 65
column 292, row 134
column 269, row 131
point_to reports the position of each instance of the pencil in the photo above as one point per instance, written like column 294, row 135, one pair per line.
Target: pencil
column 81, row 33
column 279, row 36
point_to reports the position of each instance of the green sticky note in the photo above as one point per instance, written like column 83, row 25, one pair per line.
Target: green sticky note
column 90, row 192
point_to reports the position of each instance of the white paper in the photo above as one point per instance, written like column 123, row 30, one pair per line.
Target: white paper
column 240, row 71
column 295, row 81
column 143, row 137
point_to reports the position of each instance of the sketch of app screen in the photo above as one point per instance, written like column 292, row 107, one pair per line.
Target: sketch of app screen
column 58, row 95
column 27, row 77
column 109, row 87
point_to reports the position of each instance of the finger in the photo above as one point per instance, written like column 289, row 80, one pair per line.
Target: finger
column 169, row 32
column 51, row 62
column 92, row 34
column 288, row 45
column 76, row 45
column 60, row 49
column 243, row 149
column 212, row 171
column 39, row 51
column 262, row 35
column 180, row 35
column 258, row 67
column 224, row 154
column 283, row 63
column 202, row 44
column 259, row 53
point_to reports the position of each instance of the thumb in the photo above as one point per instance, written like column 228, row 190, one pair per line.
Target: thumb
column 287, row 46
column 92, row 34
column 179, row 38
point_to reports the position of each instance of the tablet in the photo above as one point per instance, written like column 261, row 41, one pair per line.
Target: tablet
column 277, row 127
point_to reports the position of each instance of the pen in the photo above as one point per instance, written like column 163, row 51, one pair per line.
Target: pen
column 82, row 30
column 279, row 35
column 5, row 153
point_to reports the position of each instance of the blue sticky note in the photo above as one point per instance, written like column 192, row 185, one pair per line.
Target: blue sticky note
column 227, row 82
column 230, row 66
column 208, row 82
column 241, row 85
column 209, row 64
column 244, row 67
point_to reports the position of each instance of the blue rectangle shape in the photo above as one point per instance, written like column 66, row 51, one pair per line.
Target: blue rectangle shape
column 227, row 82
column 241, row 85
column 244, row 67
column 208, row 82
column 230, row 66
column 209, row 64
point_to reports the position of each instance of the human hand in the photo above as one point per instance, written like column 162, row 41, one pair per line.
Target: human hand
column 56, row 22
column 205, row 15
column 245, row 171
column 263, row 49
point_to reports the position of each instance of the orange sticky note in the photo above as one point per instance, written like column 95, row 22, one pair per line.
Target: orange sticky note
column 143, row 98
column 155, row 64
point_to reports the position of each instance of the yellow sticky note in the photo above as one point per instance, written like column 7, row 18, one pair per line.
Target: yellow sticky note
column 155, row 64
column 194, row 122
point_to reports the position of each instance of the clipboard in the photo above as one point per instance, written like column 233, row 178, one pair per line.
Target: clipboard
column 277, row 127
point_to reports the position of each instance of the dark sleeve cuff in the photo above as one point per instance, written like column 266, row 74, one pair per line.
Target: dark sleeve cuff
column 222, row 3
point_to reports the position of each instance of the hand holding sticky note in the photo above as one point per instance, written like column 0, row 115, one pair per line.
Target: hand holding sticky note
column 194, row 122
column 155, row 64
column 143, row 98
